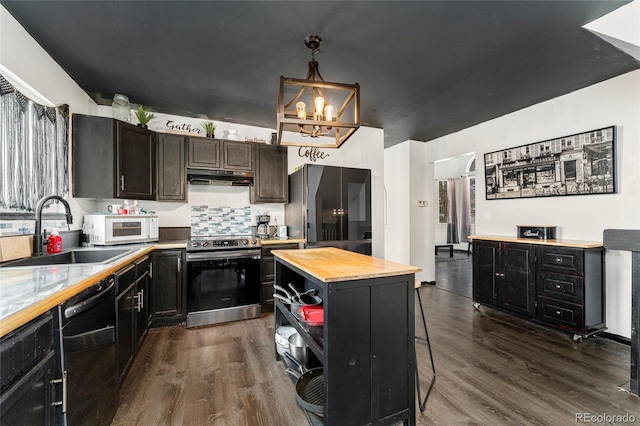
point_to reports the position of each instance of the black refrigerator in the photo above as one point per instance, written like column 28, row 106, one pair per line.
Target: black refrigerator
column 330, row 206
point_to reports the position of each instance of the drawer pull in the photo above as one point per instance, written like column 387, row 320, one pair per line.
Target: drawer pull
column 558, row 260
column 558, row 313
column 558, row 286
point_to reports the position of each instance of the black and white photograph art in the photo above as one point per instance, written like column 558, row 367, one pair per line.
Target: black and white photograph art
column 580, row 164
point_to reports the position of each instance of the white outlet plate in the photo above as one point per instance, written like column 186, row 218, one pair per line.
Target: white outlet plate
column 422, row 203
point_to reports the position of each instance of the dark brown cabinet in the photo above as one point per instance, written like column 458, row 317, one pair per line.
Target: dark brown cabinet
column 268, row 273
column 142, row 297
column 171, row 168
column 112, row 159
column 169, row 291
column 27, row 366
column 571, row 288
column 558, row 285
column 132, row 312
column 220, row 154
column 366, row 345
column 504, row 276
column 204, row 153
column 271, row 179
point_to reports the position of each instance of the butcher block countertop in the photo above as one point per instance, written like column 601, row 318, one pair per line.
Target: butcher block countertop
column 330, row 264
column 27, row 292
column 563, row 243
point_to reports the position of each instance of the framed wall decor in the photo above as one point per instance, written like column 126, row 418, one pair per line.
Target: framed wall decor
column 580, row 164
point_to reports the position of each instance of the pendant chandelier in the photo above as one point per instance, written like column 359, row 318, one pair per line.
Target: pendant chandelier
column 314, row 112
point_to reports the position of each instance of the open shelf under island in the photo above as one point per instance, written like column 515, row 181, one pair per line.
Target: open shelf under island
column 366, row 345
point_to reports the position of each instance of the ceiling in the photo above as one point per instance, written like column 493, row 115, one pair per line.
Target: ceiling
column 426, row 68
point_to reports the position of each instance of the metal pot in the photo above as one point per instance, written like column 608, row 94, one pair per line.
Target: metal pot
column 299, row 349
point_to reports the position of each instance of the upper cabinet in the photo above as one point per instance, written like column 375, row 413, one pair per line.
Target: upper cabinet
column 220, row 154
column 271, row 184
column 112, row 159
column 172, row 168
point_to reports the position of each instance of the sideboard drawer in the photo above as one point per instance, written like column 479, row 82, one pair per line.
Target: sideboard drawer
column 560, row 313
column 561, row 286
column 565, row 260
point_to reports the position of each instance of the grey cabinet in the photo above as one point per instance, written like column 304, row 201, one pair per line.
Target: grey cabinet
column 169, row 291
column 207, row 153
column 271, row 183
column 171, row 168
column 112, row 159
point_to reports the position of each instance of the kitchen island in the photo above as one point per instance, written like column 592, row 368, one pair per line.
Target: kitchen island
column 366, row 344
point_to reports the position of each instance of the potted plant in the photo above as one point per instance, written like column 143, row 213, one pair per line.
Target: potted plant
column 209, row 128
column 144, row 116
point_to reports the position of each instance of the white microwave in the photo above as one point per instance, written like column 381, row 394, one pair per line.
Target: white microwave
column 105, row 229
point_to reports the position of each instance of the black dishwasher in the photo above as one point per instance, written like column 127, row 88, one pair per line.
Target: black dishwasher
column 87, row 322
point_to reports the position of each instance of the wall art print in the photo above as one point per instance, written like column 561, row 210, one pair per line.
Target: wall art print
column 580, row 164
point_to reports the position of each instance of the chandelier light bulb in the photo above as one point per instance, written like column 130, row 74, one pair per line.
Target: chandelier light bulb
column 301, row 110
column 319, row 101
column 328, row 113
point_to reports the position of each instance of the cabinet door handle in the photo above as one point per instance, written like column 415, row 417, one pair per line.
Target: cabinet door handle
column 122, row 183
column 62, row 403
column 141, row 299
column 498, row 274
column 179, row 265
column 137, row 297
column 151, row 270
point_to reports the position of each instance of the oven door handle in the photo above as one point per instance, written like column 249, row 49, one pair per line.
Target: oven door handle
column 222, row 254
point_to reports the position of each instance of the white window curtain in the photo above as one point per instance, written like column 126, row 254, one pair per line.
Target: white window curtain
column 33, row 150
column 452, row 214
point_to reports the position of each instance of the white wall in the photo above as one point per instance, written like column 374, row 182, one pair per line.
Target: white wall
column 612, row 102
column 409, row 230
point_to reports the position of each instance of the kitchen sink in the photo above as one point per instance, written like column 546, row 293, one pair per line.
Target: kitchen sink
column 94, row 256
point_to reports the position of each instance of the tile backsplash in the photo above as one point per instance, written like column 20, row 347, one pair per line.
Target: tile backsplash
column 217, row 221
column 27, row 227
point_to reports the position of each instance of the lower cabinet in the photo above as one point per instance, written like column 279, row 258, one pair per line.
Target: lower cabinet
column 268, row 273
column 132, row 312
column 27, row 365
column 125, row 349
column 560, row 286
column 169, row 291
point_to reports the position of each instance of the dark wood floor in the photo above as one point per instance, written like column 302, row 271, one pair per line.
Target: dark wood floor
column 492, row 369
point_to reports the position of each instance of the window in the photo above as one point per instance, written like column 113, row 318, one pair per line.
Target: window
column 34, row 150
column 443, row 201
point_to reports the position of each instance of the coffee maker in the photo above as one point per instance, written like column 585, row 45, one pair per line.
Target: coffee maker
column 263, row 225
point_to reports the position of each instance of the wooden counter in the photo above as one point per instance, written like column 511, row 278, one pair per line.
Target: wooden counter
column 330, row 264
column 563, row 243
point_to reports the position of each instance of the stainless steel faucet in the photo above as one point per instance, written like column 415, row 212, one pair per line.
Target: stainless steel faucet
column 37, row 238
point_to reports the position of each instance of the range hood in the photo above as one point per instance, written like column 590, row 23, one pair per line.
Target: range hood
column 219, row 177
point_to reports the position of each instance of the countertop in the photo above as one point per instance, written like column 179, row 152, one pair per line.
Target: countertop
column 563, row 243
column 330, row 264
column 29, row 291
column 274, row 241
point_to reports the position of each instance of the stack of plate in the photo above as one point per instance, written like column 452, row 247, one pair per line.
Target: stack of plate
column 282, row 338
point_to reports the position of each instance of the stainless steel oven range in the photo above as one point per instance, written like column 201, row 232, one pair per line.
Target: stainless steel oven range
column 223, row 280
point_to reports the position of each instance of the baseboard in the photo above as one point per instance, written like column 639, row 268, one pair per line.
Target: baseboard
column 616, row 338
